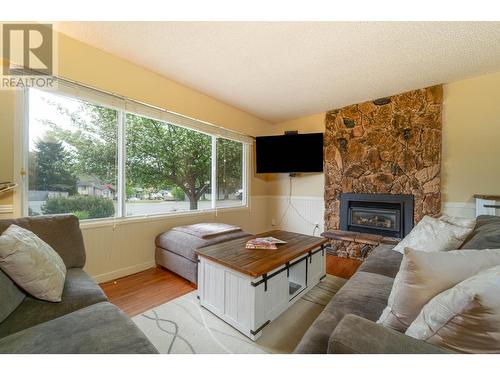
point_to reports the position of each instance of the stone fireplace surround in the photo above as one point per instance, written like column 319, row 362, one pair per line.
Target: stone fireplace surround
column 386, row 146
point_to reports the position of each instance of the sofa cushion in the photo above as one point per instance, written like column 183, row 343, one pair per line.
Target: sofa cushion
column 79, row 291
column 356, row 335
column 185, row 244
column 365, row 295
column 100, row 328
column 486, row 234
column 383, row 261
column 61, row 232
column 10, row 296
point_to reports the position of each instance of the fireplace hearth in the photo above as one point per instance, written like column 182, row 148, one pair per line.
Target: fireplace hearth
column 388, row 215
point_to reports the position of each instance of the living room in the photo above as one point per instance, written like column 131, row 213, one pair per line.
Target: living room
column 271, row 187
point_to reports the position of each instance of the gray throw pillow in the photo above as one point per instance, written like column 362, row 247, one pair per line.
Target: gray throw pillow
column 10, row 296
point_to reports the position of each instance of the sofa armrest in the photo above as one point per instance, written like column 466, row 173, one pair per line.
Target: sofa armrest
column 358, row 335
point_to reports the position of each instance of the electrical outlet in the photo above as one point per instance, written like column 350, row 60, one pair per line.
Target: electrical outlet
column 316, row 226
column 273, row 222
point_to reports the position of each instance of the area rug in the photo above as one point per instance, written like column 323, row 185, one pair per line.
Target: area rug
column 183, row 326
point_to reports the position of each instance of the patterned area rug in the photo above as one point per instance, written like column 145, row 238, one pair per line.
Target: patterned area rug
column 183, row 326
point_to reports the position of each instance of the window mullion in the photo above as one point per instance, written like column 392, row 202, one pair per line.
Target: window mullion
column 121, row 164
column 245, row 172
column 21, row 168
column 214, row 171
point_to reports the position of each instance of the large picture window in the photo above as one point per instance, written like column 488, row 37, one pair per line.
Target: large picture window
column 72, row 161
column 168, row 167
column 101, row 160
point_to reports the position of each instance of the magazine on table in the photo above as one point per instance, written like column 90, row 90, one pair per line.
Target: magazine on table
column 265, row 243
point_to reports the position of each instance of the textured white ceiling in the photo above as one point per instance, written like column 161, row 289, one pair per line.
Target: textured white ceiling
column 283, row 70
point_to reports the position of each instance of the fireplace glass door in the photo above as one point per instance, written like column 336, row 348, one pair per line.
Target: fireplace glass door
column 375, row 218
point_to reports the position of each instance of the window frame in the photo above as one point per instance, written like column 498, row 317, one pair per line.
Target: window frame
column 124, row 106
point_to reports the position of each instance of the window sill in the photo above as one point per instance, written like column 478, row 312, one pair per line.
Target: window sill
column 112, row 222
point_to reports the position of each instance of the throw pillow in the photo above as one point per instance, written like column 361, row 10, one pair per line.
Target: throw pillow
column 465, row 318
column 10, row 296
column 486, row 234
column 423, row 275
column 432, row 234
column 460, row 221
column 32, row 263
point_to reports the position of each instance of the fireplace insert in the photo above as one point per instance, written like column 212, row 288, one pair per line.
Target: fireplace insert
column 389, row 215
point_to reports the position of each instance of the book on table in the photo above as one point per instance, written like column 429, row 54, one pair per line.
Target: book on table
column 264, row 243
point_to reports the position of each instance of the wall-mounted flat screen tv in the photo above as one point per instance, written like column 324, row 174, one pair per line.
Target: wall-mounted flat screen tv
column 293, row 153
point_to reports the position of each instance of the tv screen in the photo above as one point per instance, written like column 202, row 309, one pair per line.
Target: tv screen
column 290, row 153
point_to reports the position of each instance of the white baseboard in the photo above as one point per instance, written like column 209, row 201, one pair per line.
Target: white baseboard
column 123, row 272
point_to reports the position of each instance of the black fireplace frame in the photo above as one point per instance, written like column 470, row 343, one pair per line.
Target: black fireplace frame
column 404, row 201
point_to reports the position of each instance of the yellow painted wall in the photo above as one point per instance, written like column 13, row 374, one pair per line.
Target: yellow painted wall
column 471, row 138
column 7, row 101
column 83, row 63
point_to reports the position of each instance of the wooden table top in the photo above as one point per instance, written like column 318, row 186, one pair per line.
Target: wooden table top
column 257, row 262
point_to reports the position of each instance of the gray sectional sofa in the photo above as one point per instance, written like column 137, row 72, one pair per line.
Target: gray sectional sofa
column 347, row 324
column 84, row 321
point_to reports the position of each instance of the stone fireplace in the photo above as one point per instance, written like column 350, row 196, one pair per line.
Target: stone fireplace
column 386, row 147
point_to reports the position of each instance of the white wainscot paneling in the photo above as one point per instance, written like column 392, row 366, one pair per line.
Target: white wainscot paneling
column 6, row 209
column 460, row 209
column 119, row 249
column 298, row 214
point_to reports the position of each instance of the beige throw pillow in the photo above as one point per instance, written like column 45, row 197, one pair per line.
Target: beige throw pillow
column 32, row 263
column 423, row 275
column 465, row 318
column 460, row 221
column 432, row 234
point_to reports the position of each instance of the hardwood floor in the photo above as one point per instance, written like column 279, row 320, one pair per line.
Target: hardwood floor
column 341, row 267
column 142, row 291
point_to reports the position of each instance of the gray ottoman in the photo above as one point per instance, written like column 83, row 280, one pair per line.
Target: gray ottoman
column 175, row 249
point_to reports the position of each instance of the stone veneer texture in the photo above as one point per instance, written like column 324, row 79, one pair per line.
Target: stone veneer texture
column 389, row 145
